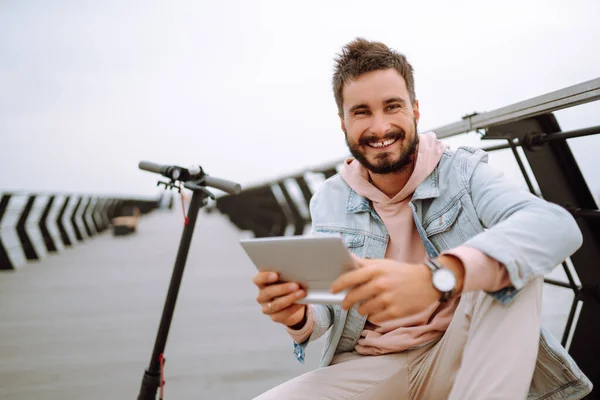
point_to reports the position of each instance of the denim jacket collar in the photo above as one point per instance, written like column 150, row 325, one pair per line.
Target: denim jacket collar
column 428, row 189
column 356, row 203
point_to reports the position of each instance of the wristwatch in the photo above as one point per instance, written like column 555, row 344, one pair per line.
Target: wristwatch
column 443, row 279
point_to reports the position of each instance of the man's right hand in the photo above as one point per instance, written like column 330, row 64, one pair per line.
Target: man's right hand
column 277, row 299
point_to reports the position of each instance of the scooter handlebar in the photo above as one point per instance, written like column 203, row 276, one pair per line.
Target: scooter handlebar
column 179, row 173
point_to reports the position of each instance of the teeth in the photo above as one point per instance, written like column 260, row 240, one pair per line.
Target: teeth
column 385, row 143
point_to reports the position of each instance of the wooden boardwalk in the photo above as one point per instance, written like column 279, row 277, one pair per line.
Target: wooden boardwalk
column 81, row 325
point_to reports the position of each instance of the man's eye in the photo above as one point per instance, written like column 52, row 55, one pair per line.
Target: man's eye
column 393, row 106
column 360, row 112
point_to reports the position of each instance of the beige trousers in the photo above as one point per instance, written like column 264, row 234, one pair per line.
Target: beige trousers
column 488, row 352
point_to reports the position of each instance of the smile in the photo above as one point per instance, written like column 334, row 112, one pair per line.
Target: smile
column 381, row 144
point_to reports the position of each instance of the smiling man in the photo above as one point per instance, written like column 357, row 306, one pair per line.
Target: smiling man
column 447, row 300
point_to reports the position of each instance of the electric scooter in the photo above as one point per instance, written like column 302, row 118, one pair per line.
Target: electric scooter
column 194, row 179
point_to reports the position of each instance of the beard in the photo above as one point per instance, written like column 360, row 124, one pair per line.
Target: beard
column 387, row 163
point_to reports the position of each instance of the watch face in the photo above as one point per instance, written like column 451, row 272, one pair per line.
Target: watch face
column 444, row 280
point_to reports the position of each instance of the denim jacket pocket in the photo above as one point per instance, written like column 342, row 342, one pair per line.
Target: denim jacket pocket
column 353, row 240
column 442, row 220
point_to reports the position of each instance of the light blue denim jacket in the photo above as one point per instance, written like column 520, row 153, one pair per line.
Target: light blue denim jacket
column 462, row 202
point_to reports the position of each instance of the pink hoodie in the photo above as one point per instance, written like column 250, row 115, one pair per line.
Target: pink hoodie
column 405, row 245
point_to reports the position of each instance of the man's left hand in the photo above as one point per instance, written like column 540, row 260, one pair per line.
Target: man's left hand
column 387, row 289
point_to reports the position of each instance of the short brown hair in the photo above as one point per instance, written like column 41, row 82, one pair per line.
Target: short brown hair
column 361, row 56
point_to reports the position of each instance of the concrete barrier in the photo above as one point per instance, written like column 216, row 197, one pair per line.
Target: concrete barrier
column 34, row 225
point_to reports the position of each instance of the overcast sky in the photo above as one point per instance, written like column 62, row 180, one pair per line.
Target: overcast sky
column 89, row 88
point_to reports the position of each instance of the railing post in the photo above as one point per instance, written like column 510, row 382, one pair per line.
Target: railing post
column 561, row 181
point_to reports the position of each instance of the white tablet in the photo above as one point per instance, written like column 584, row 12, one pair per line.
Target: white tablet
column 312, row 262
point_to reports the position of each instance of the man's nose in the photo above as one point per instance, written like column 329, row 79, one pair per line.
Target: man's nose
column 379, row 125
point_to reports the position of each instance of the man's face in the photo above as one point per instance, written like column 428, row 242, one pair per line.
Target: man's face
column 380, row 122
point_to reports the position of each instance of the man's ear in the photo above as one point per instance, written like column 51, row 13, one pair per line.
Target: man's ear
column 342, row 123
column 416, row 111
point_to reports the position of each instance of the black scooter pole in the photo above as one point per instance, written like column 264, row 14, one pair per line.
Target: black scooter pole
column 152, row 376
column 196, row 180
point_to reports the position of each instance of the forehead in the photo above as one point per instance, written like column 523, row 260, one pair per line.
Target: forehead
column 374, row 87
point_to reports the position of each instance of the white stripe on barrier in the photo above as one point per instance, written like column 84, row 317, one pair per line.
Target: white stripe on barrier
column 96, row 216
column 59, row 201
column 8, row 230
column 32, row 226
column 289, row 228
column 66, row 220
column 88, row 215
column 314, row 180
column 297, row 197
column 79, row 217
column 307, row 229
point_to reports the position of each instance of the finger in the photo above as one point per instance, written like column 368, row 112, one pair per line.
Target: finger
column 269, row 293
column 361, row 293
column 351, row 279
column 264, row 278
column 358, row 262
column 364, row 262
column 375, row 305
column 281, row 303
column 385, row 315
